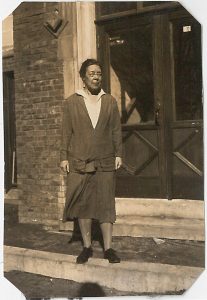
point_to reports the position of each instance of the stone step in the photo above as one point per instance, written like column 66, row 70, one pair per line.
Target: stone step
column 171, row 228
column 176, row 208
column 176, row 219
column 141, row 217
column 128, row 276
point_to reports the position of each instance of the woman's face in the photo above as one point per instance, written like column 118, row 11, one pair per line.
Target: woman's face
column 93, row 79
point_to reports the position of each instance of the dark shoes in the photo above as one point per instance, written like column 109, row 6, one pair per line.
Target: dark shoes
column 84, row 255
column 111, row 255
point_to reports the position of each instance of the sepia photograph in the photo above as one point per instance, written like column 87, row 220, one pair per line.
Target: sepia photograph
column 103, row 149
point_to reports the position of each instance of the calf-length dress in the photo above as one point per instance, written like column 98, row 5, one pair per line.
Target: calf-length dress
column 91, row 139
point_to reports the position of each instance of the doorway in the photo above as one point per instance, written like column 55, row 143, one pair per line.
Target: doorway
column 152, row 66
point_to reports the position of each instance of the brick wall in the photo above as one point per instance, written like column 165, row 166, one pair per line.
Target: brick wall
column 39, row 88
column 8, row 63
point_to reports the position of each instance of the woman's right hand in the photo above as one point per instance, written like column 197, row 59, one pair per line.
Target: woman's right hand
column 64, row 165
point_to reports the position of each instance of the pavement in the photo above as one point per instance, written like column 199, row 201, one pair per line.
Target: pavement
column 147, row 250
column 37, row 287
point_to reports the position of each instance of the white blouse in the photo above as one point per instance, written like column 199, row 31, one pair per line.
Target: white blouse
column 93, row 105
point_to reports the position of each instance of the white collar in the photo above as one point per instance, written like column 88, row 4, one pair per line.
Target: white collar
column 81, row 92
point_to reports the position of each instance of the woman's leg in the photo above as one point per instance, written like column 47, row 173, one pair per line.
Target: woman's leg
column 109, row 253
column 87, row 252
column 106, row 229
column 85, row 228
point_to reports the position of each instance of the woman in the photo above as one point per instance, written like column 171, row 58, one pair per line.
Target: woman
column 90, row 153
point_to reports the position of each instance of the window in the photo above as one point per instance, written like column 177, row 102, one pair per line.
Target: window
column 10, row 174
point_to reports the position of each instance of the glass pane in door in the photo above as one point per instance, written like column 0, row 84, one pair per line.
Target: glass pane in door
column 131, row 82
column 131, row 71
column 187, row 69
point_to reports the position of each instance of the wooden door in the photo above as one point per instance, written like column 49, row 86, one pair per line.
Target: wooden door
column 141, row 57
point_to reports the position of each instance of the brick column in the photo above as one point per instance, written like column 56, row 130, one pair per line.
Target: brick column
column 39, row 86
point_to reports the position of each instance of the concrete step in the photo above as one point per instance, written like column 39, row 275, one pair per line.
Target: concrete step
column 176, row 219
column 141, row 217
column 175, row 208
column 128, row 276
column 171, row 228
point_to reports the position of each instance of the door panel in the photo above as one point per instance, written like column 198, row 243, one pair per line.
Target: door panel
column 188, row 163
column 140, row 163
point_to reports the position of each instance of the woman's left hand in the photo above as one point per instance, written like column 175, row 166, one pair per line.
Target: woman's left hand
column 118, row 162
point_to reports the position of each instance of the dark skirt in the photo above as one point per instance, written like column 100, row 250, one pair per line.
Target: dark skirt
column 90, row 196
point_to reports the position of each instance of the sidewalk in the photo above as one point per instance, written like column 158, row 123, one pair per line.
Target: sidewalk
column 139, row 250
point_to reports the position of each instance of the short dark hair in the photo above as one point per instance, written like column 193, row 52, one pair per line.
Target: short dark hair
column 88, row 62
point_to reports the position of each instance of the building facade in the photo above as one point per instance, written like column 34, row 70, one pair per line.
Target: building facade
column 151, row 57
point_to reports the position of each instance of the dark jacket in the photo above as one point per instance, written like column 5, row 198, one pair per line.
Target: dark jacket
column 80, row 141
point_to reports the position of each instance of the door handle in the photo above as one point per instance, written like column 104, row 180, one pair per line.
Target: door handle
column 157, row 114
